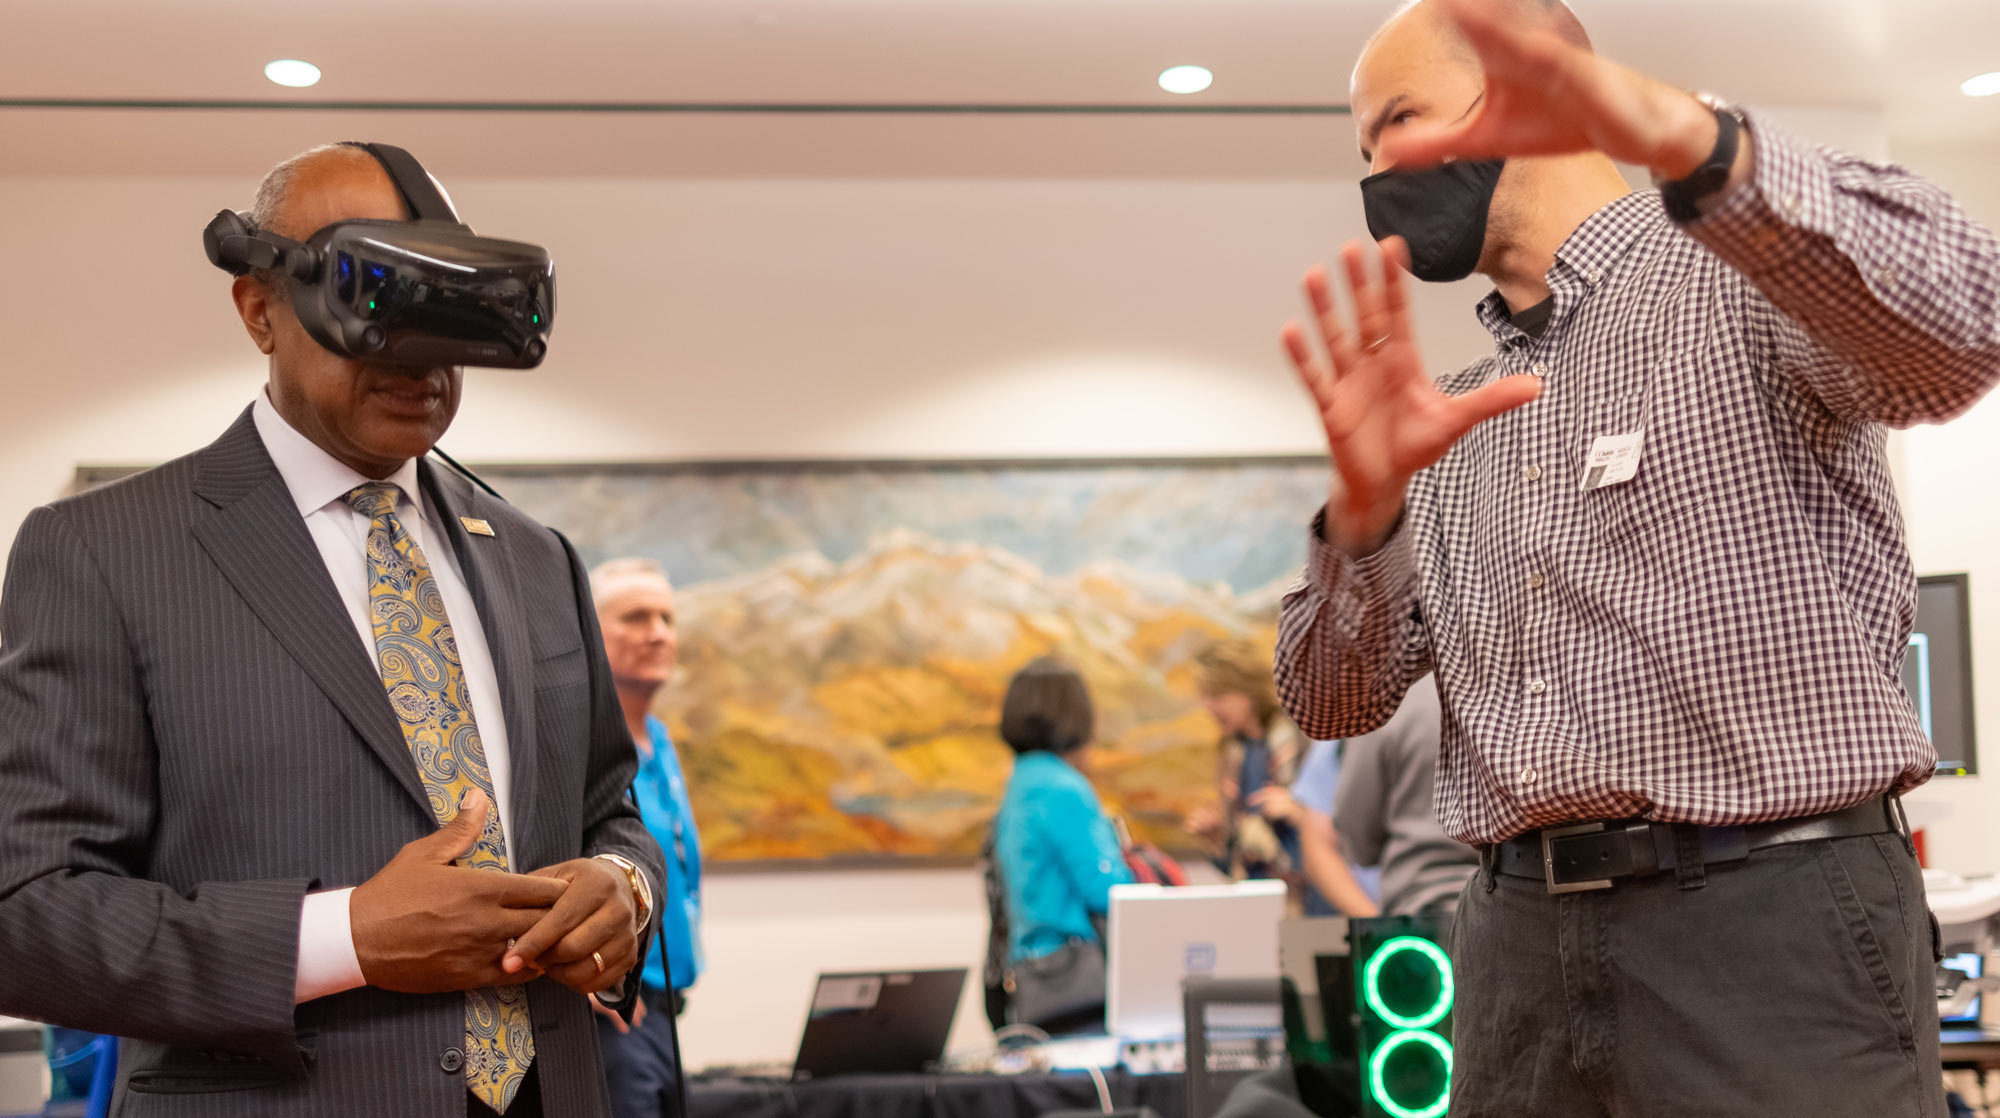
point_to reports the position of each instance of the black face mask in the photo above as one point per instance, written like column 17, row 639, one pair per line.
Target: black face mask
column 1440, row 211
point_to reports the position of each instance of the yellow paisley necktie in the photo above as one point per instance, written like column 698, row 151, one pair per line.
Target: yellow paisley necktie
column 418, row 657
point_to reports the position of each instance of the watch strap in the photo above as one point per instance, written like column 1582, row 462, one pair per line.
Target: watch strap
column 642, row 891
column 1683, row 196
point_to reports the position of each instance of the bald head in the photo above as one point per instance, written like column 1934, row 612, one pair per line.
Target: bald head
column 1420, row 67
column 322, row 185
column 1548, row 15
column 314, row 189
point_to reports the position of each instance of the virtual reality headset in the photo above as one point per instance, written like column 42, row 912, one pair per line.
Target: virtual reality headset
column 428, row 291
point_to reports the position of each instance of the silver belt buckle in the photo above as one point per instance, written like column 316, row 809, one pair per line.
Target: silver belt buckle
column 1549, row 835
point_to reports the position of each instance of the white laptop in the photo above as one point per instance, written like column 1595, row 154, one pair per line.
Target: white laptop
column 1160, row 935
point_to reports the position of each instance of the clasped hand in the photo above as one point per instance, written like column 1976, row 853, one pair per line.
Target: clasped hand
column 425, row 925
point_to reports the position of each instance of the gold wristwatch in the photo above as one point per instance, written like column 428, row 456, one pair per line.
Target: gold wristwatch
column 642, row 893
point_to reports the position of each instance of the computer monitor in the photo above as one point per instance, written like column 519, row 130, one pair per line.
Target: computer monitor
column 1160, row 935
column 1962, row 1013
column 1937, row 671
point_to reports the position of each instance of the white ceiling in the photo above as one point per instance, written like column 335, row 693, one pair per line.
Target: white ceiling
column 1904, row 58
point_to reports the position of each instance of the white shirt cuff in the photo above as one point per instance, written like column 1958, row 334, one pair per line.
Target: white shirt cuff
column 327, row 962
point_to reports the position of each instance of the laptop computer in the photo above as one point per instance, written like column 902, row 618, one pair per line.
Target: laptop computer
column 878, row 1021
column 1159, row 936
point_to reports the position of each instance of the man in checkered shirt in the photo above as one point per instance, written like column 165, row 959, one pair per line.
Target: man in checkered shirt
column 1651, row 550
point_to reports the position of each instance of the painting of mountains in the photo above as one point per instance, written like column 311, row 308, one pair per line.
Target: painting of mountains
column 847, row 630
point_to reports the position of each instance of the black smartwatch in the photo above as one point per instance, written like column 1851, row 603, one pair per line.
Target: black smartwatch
column 1683, row 196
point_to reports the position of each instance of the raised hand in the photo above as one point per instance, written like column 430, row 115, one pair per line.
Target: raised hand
column 1544, row 96
column 1384, row 419
column 424, row 926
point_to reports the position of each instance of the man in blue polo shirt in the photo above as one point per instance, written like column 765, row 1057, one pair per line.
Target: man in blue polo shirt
column 635, row 610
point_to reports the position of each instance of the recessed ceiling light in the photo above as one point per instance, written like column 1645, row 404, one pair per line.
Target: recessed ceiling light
column 1985, row 85
column 1186, row 79
column 292, row 72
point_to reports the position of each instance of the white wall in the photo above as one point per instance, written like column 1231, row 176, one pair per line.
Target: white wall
column 789, row 316
column 1954, row 525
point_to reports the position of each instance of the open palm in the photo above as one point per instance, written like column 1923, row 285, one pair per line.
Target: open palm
column 1383, row 417
column 1544, row 96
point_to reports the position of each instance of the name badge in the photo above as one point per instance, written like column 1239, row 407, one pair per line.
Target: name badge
column 1613, row 459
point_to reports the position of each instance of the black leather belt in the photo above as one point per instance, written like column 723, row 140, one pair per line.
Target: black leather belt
column 1586, row 856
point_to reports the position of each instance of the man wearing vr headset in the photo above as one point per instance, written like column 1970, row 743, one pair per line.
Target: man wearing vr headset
column 316, row 773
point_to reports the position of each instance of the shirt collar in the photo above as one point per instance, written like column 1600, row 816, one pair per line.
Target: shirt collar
column 1586, row 261
column 658, row 742
column 315, row 478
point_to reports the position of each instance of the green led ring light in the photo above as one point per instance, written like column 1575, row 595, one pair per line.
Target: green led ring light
column 1379, row 1087
column 1371, row 983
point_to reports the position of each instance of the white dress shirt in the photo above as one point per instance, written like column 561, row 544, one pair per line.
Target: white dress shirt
column 319, row 484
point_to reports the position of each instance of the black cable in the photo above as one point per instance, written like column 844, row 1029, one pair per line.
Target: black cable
column 666, row 963
column 469, row 475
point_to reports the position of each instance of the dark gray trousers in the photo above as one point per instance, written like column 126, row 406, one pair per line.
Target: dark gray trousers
column 1798, row 982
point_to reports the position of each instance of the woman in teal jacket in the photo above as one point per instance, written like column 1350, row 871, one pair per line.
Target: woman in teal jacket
column 1054, row 847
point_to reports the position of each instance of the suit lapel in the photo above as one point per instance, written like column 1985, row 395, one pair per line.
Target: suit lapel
column 489, row 574
column 255, row 536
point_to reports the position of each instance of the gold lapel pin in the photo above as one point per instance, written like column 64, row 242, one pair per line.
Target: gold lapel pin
column 476, row 526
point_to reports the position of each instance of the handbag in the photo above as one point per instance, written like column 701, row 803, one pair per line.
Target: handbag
column 1149, row 864
column 994, row 975
column 1065, row 982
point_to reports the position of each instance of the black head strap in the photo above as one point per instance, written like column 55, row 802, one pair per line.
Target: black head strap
column 425, row 201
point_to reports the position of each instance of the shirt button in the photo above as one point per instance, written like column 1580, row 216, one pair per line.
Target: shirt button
column 1536, row 687
column 1536, row 580
column 452, row 1060
column 1540, row 369
column 1532, row 473
column 1593, row 275
column 1792, row 206
column 1887, row 277
column 1528, row 775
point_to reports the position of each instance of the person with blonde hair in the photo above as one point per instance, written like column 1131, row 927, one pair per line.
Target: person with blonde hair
column 1270, row 782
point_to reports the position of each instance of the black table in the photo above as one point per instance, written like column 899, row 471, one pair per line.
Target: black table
column 1028, row 1095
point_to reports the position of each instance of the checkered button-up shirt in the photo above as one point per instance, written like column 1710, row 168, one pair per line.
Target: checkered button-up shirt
column 1720, row 638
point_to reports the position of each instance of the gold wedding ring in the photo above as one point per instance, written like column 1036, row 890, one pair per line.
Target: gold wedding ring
column 599, row 960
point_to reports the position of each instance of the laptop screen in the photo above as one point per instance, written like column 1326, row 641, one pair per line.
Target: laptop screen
column 878, row 1021
column 1969, row 964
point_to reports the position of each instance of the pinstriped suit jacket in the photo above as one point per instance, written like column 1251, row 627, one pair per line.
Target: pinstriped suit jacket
column 192, row 737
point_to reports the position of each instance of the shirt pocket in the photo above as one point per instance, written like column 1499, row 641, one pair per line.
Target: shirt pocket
column 1653, row 506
